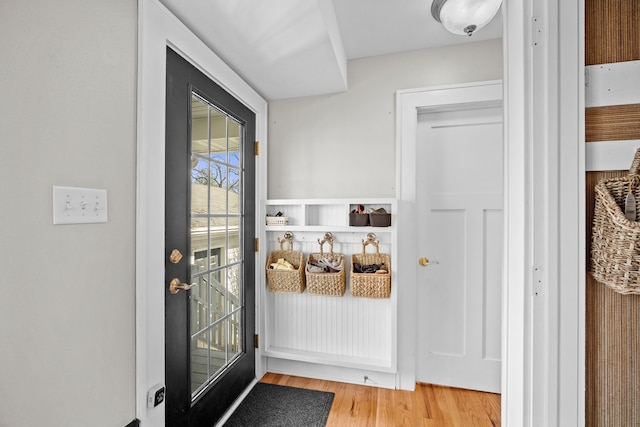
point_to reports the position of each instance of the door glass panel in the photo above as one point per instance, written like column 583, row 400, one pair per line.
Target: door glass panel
column 233, row 287
column 199, row 360
column 216, row 260
column 233, row 247
column 218, row 301
column 218, row 181
column 218, row 136
column 199, row 304
column 233, row 181
column 234, row 344
column 199, row 127
column 218, row 355
column 233, row 141
column 218, row 228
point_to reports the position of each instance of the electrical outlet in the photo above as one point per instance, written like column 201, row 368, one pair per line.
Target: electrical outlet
column 155, row 396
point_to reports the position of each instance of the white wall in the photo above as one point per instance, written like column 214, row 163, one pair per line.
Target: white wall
column 67, row 117
column 343, row 145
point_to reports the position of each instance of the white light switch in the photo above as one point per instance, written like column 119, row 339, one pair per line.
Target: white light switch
column 72, row 205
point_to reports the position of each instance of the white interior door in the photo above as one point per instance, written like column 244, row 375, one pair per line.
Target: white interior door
column 460, row 202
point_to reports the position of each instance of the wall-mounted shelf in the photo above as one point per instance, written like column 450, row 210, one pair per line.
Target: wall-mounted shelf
column 322, row 213
column 332, row 228
column 342, row 332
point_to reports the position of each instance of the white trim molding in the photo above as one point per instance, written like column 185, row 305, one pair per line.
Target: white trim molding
column 516, row 380
column 157, row 29
column 544, row 129
column 612, row 84
column 610, row 155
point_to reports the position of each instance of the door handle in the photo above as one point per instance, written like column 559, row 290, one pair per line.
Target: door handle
column 175, row 286
column 424, row 261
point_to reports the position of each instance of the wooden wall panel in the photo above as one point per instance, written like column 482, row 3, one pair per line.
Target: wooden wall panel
column 613, row 351
column 612, row 123
column 612, row 371
column 612, row 34
column 612, row 31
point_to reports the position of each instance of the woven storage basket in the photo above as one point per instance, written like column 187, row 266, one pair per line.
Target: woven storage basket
column 277, row 220
column 332, row 284
column 286, row 281
column 371, row 285
column 615, row 248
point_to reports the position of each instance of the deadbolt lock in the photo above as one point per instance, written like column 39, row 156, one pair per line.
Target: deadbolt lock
column 175, row 256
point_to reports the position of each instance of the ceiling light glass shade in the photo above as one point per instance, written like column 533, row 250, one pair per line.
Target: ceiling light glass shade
column 464, row 17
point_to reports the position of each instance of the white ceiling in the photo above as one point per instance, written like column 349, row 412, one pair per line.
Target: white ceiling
column 291, row 48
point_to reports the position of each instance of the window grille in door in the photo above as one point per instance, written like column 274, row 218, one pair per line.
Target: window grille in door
column 216, row 301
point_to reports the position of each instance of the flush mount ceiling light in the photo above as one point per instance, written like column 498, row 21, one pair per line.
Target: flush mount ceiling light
column 464, row 16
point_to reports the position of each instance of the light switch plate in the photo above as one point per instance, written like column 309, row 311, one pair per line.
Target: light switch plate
column 73, row 205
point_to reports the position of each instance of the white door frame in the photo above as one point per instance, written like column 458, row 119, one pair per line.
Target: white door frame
column 544, row 130
column 408, row 104
column 157, row 29
column 516, row 321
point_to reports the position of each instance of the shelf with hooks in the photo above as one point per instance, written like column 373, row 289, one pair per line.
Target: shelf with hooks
column 339, row 329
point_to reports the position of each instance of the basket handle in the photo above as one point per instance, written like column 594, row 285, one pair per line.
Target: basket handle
column 371, row 240
column 328, row 238
column 286, row 238
column 635, row 165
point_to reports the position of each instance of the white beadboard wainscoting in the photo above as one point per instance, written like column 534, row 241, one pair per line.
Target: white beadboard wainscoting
column 330, row 337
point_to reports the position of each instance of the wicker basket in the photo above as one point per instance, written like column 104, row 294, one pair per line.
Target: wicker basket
column 371, row 285
column 615, row 249
column 286, row 281
column 277, row 220
column 332, row 284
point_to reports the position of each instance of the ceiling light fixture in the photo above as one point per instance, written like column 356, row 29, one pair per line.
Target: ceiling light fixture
column 464, row 16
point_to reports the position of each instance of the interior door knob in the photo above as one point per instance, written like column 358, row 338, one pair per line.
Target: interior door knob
column 424, row 261
column 175, row 286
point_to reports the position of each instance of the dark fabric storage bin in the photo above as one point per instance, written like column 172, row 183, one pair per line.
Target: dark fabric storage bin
column 380, row 220
column 358, row 220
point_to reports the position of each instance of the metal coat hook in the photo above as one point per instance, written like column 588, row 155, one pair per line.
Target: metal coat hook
column 371, row 240
column 328, row 238
column 287, row 237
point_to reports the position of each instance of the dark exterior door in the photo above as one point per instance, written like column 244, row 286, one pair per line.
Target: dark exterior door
column 209, row 246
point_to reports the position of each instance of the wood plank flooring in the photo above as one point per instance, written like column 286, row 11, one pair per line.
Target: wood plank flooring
column 427, row 406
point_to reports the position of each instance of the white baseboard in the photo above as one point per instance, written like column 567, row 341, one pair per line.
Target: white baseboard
column 332, row 373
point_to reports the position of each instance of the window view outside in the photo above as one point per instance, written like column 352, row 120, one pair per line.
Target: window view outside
column 216, row 252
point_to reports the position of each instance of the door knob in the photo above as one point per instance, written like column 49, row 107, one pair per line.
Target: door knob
column 424, row 261
column 175, row 286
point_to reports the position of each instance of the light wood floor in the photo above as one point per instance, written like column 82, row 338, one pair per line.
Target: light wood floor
column 427, row 406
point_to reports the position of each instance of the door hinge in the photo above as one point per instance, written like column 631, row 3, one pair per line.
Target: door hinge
column 256, row 245
column 538, row 281
column 256, row 341
column 257, row 148
column 537, row 31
